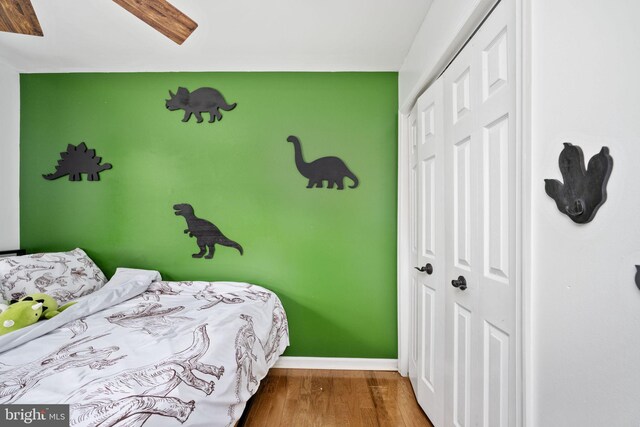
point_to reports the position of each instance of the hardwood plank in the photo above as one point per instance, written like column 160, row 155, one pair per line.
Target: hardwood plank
column 296, row 405
column 162, row 16
column 276, row 397
column 343, row 393
column 412, row 414
column 254, row 408
column 323, row 398
column 369, row 418
column 18, row 16
column 386, row 407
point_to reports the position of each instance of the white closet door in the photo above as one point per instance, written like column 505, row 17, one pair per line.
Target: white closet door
column 480, row 211
column 461, row 234
column 430, row 253
column 413, row 242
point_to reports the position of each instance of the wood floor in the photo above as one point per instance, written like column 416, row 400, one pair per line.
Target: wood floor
column 318, row 398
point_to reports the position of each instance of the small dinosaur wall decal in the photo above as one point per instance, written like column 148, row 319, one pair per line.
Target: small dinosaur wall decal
column 203, row 100
column 206, row 233
column 330, row 169
column 583, row 191
column 76, row 161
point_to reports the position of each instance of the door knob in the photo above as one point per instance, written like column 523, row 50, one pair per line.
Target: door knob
column 461, row 283
column 427, row 268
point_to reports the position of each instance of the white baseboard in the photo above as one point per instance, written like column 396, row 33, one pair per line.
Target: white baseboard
column 344, row 363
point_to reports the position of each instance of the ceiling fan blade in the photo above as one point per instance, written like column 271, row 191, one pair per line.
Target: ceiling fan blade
column 162, row 16
column 18, row 16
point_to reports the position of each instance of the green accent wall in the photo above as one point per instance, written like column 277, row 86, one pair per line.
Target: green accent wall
column 329, row 255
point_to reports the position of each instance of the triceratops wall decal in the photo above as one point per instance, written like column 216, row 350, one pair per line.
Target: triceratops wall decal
column 203, row 100
column 583, row 191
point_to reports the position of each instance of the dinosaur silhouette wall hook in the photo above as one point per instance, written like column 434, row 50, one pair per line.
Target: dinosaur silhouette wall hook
column 330, row 169
column 207, row 234
column 583, row 191
column 76, row 161
column 203, row 100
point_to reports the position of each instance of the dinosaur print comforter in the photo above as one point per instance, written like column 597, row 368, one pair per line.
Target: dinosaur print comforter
column 175, row 352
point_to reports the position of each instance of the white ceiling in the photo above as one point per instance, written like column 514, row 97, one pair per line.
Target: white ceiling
column 233, row 35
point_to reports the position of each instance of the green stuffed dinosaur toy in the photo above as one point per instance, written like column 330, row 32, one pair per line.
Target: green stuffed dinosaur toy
column 20, row 315
column 28, row 310
column 50, row 308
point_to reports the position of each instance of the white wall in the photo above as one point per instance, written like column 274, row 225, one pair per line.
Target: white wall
column 439, row 34
column 9, row 157
column 586, row 306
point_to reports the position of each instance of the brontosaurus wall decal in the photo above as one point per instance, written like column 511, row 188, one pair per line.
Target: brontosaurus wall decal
column 330, row 169
column 583, row 191
column 207, row 234
column 203, row 100
column 76, row 161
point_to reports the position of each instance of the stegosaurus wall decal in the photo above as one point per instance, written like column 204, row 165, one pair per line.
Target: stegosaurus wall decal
column 583, row 191
column 76, row 161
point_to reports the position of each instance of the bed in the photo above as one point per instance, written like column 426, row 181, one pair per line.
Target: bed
column 139, row 349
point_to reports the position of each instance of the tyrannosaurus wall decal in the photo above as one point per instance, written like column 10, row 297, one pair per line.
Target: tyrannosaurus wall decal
column 206, row 233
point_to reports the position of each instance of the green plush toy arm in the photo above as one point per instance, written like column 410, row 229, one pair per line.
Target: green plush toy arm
column 52, row 313
column 67, row 305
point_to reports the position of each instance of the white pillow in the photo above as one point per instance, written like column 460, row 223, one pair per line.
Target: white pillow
column 65, row 276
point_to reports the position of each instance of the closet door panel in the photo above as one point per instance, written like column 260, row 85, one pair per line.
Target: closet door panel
column 430, row 390
column 414, row 213
column 462, row 203
column 463, row 180
column 481, row 208
column 461, row 224
column 497, row 215
column 495, row 191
